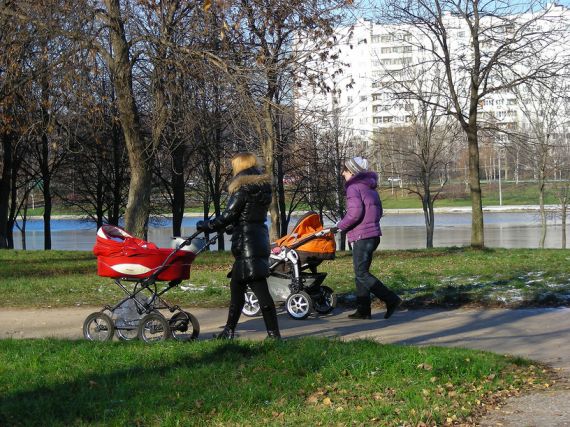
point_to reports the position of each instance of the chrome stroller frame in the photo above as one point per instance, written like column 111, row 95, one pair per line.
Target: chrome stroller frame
column 146, row 322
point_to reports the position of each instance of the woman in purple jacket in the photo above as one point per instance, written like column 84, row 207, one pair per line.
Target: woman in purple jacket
column 362, row 224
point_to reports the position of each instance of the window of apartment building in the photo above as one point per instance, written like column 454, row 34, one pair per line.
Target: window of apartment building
column 408, row 119
column 407, row 49
column 376, row 62
column 511, row 113
column 376, row 96
column 387, row 119
column 499, row 102
column 376, row 120
column 349, row 121
column 362, row 98
column 386, row 50
column 386, row 61
column 362, row 120
column 375, row 84
column 386, row 39
column 362, row 132
column 461, row 34
column 349, row 99
column 501, row 114
column 375, row 39
column 488, row 102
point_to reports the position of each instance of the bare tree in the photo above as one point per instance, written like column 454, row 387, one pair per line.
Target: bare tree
column 544, row 108
column 421, row 154
column 264, row 33
column 496, row 53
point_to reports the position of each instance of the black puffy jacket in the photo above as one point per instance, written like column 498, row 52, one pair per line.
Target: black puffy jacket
column 245, row 214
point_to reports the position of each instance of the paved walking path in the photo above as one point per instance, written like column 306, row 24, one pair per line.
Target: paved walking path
column 538, row 334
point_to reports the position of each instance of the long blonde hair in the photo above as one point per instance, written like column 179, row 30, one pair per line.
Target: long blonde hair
column 243, row 161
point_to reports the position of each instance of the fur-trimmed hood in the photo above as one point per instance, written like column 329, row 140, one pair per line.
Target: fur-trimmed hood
column 251, row 176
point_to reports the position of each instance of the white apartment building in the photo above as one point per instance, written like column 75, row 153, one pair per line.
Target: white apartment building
column 381, row 62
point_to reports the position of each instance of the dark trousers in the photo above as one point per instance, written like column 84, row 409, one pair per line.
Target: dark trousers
column 366, row 282
column 259, row 287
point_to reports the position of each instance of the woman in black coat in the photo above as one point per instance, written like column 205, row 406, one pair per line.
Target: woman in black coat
column 245, row 216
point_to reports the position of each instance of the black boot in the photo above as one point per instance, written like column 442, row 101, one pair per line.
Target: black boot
column 228, row 332
column 362, row 309
column 391, row 300
column 270, row 318
column 392, row 306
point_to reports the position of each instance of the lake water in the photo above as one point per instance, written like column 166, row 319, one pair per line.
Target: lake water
column 400, row 231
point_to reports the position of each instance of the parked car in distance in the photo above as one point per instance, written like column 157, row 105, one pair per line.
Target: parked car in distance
column 394, row 180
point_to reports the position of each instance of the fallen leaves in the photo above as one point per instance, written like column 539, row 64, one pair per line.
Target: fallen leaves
column 425, row 366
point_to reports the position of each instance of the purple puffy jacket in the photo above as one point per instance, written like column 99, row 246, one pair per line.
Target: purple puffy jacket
column 363, row 207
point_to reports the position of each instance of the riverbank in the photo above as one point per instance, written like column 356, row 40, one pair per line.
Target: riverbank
column 404, row 211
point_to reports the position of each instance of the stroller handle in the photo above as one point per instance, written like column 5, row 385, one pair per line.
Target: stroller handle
column 310, row 237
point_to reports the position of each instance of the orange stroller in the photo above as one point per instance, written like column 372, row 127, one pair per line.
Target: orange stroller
column 289, row 282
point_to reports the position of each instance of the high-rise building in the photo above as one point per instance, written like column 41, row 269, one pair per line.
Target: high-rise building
column 387, row 68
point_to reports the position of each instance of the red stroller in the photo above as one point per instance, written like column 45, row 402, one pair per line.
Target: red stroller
column 137, row 266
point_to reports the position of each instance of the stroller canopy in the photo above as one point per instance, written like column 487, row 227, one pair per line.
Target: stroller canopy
column 323, row 247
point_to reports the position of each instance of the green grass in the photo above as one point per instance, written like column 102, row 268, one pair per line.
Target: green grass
column 457, row 195
column 296, row 382
column 442, row 276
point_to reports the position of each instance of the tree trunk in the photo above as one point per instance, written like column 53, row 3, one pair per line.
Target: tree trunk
column 564, row 210
column 477, row 232
column 427, row 205
column 12, row 215
column 118, row 178
column 268, row 156
column 178, row 190
column 281, row 189
column 541, row 183
column 5, row 186
column 99, row 196
column 340, row 191
column 24, row 223
column 46, row 189
column 140, row 155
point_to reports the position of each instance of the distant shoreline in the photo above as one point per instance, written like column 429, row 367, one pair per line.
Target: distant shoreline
column 442, row 210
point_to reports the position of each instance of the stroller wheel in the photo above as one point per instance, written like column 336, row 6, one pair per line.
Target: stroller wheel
column 125, row 334
column 326, row 301
column 98, row 327
column 184, row 326
column 299, row 305
column 154, row 327
column 251, row 307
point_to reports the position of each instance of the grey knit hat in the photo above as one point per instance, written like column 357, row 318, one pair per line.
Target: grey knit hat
column 356, row 165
